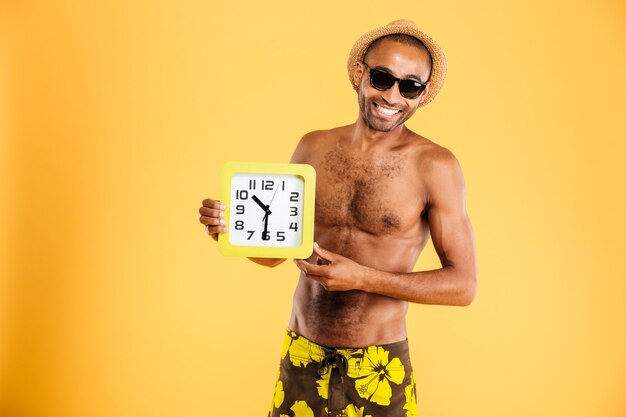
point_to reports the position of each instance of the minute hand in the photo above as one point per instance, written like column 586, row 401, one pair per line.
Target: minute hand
column 265, row 235
column 265, row 208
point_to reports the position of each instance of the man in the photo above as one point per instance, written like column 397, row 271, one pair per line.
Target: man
column 381, row 190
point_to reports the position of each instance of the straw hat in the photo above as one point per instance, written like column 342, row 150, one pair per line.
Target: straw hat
column 407, row 27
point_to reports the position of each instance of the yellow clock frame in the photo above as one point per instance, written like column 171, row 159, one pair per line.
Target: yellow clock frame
column 307, row 173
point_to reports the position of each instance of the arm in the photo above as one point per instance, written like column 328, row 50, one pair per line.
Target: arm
column 453, row 284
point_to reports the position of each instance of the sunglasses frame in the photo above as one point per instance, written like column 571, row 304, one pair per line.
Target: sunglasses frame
column 395, row 80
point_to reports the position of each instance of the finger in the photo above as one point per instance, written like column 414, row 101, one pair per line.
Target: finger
column 205, row 211
column 312, row 269
column 212, row 230
column 214, row 234
column 321, row 280
column 211, row 221
column 321, row 261
column 214, row 204
column 302, row 265
column 323, row 253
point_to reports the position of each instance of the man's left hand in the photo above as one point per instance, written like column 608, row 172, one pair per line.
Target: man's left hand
column 336, row 273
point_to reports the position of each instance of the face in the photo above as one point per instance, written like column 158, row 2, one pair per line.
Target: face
column 386, row 110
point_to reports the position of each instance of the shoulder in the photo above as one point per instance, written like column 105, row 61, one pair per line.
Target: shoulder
column 318, row 137
column 314, row 143
column 429, row 156
column 435, row 159
column 438, row 168
column 313, row 138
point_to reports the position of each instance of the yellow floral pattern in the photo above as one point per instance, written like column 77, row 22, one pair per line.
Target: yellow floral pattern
column 376, row 374
column 322, row 385
column 301, row 354
column 279, row 394
column 372, row 377
column 411, row 401
column 301, row 409
column 352, row 411
column 355, row 360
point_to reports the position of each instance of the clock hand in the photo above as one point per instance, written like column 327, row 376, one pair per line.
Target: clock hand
column 268, row 206
column 265, row 208
column 275, row 191
column 265, row 235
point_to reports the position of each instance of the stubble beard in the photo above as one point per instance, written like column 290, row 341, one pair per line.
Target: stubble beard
column 377, row 124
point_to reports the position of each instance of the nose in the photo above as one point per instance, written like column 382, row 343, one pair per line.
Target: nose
column 392, row 94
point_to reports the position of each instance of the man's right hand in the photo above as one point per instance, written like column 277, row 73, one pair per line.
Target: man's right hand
column 212, row 217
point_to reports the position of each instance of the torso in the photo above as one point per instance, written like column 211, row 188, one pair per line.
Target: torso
column 371, row 206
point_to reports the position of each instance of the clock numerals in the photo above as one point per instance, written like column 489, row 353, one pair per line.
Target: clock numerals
column 267, row 185
column 266, row 210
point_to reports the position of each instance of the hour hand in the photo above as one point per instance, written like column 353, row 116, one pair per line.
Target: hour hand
column 265, row 208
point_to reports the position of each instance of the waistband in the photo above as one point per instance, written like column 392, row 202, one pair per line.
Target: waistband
column 302, row 351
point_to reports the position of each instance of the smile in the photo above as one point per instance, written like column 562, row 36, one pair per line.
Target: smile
column 385, row 111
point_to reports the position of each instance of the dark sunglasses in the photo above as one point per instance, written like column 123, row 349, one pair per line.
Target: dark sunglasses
column 382, row 81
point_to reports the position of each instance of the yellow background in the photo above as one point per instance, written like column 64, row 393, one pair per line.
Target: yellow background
column 115, row 119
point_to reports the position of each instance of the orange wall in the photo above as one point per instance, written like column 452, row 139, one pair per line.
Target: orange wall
column 115, row 118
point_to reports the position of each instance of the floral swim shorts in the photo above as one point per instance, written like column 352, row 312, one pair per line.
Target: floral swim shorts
column 317, row 381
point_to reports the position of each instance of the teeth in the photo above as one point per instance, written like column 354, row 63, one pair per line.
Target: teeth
column 386, row 111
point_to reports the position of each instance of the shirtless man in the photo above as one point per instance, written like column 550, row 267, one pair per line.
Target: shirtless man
column 381, row 190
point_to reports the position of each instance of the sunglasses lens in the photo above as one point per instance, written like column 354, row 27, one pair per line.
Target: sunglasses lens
column 410, row 88
column 381, row 80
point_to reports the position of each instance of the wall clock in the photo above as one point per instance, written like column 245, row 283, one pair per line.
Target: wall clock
column 270, row 210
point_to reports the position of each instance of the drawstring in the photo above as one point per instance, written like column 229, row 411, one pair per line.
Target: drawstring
column 333, row 359
column 336, row 400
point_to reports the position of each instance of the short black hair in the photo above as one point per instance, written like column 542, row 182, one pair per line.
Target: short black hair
column 405, row 39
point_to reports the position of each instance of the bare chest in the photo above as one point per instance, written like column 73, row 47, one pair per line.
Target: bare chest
column 377, row 195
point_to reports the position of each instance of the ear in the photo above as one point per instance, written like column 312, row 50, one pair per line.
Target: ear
column 358, row 73
column 424, row 93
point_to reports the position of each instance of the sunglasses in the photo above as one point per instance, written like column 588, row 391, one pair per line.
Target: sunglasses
column 382, row 81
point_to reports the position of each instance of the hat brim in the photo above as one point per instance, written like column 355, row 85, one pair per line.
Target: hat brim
column 406, row 27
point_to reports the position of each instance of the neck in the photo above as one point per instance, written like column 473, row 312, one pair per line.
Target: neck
column 365, row 137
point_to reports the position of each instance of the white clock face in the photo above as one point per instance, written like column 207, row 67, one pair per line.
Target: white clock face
column 266, row 210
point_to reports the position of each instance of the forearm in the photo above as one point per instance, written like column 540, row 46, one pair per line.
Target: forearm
column 271, row 262
column 445, row 286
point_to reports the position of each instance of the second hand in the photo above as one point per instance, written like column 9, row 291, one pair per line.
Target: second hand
column 268, row 206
